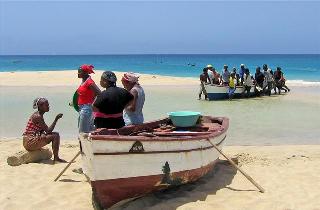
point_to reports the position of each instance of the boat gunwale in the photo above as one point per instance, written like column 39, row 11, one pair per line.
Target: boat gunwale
column 213, row 134
column 164, row 151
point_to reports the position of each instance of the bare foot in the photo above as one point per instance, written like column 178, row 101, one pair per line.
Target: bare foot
column 60, row 160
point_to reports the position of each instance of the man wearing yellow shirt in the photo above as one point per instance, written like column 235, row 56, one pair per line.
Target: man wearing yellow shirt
column 232, row 85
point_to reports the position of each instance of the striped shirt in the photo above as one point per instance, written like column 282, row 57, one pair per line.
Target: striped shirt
column 32, row 128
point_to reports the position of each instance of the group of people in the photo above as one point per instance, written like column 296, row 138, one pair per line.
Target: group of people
column 111, row 108
column 262, row 82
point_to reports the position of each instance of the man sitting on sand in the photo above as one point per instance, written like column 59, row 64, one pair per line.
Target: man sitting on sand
column 38, row 134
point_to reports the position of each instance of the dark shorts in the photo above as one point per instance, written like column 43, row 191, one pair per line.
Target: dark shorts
column 109, row 122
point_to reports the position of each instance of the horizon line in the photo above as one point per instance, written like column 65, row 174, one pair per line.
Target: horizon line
column 120, row 54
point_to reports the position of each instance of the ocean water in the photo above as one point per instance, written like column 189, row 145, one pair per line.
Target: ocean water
column 277, row 120
column 300, row 68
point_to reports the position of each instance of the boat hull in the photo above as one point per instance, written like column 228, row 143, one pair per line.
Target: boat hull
column 109, row 192
column 218, row 92
column 126, row 167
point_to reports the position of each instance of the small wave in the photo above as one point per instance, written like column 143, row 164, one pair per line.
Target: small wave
column 302, row 83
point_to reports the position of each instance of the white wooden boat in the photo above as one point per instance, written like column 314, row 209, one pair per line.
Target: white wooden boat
column 218, row 92
column 130, row 162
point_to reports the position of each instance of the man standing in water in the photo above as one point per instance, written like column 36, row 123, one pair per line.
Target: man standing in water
column 132, row 114
column 203, row 81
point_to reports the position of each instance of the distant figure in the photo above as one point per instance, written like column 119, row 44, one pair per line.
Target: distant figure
column 210, row 73
column 234, row 70
column 132, row 114
column 268, row 80
column 216, row 77
column 280, row 80
column 232, row 85
column 109, row 105
column 241, row 73
column 247, row 83
column 225, row 75
column 203, row 81
column 38, row 134
column 87, row 92
column 259, row 78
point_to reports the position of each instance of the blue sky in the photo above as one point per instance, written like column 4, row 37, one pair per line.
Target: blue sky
column 187, row 27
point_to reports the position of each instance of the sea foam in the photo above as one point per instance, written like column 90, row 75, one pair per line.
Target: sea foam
column 302, row 83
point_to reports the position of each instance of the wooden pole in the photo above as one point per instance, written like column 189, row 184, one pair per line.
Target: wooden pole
column 239, row 169
column 67, row 166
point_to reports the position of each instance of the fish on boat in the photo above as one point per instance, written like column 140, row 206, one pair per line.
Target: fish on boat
column 130, row 162
column 218, row 92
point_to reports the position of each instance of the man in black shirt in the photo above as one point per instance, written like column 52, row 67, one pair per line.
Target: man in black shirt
column 109, row 105
column 259, row 78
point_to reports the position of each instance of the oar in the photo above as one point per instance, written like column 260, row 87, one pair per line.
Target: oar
column 239, row 169
column 67, row 166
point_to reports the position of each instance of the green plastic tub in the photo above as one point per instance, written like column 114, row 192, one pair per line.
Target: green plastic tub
column 184, row 118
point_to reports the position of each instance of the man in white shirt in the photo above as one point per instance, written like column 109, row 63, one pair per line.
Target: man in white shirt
column 247, row 83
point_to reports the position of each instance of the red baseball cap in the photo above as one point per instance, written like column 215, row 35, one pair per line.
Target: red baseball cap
column 87, row 68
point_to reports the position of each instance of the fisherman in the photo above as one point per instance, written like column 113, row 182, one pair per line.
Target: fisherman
column 232, row 85
column 210, row 73
column 280, row 80
column 268, row 80
column 216, row 77
column 259, row 78
column 241, row 73
column 237, row 76
column 109, row 105
column 247, row 83
column 203, row 81
column 132, row 114
column 225, row 75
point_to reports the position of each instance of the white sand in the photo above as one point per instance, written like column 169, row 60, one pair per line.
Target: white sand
column 290, row 175
column 69, row 78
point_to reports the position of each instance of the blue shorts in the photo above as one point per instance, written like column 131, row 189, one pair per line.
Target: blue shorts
column 231, row 91
column 85, row 118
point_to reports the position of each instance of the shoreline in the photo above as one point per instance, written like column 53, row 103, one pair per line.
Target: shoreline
column 69, row 78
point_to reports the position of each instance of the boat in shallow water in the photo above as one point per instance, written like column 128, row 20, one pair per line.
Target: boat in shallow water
column 219, row 92
column 126, row 163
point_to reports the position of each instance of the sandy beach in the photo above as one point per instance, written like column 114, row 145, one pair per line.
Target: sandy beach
column 288, row 173
column 283, row 155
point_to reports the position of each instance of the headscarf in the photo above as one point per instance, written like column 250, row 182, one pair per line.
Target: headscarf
column 37, row 100
column 131, row 77
column 109, row 76
column 87, row 68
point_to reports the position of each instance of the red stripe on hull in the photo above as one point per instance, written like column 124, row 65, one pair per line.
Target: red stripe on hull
column 110, row 192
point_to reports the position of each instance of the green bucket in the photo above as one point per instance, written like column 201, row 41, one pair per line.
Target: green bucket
column 184, row 118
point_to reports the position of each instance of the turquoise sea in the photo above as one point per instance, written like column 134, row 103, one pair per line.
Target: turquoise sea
column 291, row 118
column 302, row 67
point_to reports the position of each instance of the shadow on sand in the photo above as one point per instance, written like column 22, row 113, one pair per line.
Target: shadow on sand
column 220, row 177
